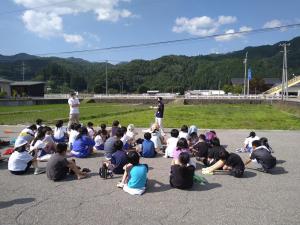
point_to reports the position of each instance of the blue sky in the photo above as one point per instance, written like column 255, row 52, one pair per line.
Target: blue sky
column 87, row 24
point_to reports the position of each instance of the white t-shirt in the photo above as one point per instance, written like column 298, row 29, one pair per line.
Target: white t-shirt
column 74, row 101
column 98, row 140
column 59, row 132
column 72, row 136
column 91, row 132
column 26, row 134
column 248, row 141
column 38, row 145
column 18, row 161
column 171, row 146
column 125, row 139
column 156, row 139
column 183, row 135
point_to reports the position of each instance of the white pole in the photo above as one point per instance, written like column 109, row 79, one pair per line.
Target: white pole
column 245, row 62
column 106, row 84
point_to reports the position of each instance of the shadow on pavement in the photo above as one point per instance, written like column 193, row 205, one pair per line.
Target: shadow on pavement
column 156, row 186
column 278, row 171
column 206, row 187
column 280, row 161
column 248, row 174
column 15, row 201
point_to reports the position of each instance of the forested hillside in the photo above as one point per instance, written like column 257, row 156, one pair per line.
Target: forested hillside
column 168, row 74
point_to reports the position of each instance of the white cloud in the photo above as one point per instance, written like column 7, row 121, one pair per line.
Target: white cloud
column 201, row 26
column 272, row 24
column 231, row 34
column 47, row 21
column 73, row 38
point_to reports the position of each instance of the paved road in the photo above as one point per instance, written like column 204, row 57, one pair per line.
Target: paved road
column 258, row 198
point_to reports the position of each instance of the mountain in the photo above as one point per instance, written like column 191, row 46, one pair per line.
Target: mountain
column 168, row 73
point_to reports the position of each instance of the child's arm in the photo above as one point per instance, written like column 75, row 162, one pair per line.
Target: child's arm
column 247, row 162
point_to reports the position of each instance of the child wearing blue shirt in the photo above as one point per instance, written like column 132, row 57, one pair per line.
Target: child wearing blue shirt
column 118, row 159
column 148, row 149
column 135, row 177
column 83, row 144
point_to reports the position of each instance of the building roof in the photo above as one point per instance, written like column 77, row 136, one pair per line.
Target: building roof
column 2, row 80
column 26, row 83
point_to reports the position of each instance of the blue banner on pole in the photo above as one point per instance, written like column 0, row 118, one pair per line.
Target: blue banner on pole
column 249, row 74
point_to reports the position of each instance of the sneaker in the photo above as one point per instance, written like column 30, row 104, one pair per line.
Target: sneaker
column 38, row 171
column 120, row 185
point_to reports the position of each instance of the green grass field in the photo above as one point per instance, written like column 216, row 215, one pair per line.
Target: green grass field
column 222, row 116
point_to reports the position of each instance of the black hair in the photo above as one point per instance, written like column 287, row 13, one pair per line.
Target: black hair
column 123, row 129
column 72, row 93
column 265, row 142
column 184, row 158
column 184, row 128
column 182, row 143
column 119, row 133
column 133, row 157
column 103, row 126
column 223, row 155
column 159, row 98
column 72, row 126
column 38, row 121
column 147, row 136
column 40, row 136
column 21, row 148
column 61, row 147
column 202, row 137
column 174, row 133
column 82, row 131
column 115, row 123
column 118, row 145
column 77, row 126
column 59, row 123
column 90, row 124
column 214, row 132
column 252, row 134
column 193, row 135
column 256, row 143
column 32, row 127
column 215, row 141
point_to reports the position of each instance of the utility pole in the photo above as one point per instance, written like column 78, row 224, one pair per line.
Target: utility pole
column 284, row 84
column 245, row 78
column 23, row 71
column 106, row 84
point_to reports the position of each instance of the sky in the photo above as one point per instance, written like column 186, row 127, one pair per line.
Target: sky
column 40, row 27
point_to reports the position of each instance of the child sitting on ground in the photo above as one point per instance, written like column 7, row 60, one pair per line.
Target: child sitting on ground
column 265, row 142
column 91, row 131
column 262, row 157
column 171, row 143
column 157, row 138
column 148, row 149
column 184, row 132
column 182, row 173
column 20, row 161
column 58, row 166
column 182, row 146
column 248, row 143
column 74, row 131
column 135, row 177
column 100, row 139
column 232, row 163
column 83, row 144
column 131, row 134
column 26, row 134
column 60, row 132
column 200, row 149
column 118, row 159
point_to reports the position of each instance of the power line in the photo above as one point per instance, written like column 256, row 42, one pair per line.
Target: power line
column 153, row 44
column 33, row 8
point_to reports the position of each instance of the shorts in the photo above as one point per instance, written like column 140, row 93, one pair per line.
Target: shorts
column 100, row 147
column 134, row 191
column 22, row 171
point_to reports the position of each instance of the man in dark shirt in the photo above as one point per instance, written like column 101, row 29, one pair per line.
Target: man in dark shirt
column 200, row 149
column 159, row 115
column 58, row 166
column 262, row 155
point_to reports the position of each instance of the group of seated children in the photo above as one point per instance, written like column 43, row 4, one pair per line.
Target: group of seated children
column 123, row 152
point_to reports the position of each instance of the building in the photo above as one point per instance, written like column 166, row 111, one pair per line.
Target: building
column 204, row 92
column 22, row 88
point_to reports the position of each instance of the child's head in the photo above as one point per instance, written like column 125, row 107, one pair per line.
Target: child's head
column 21, row 145
column 47, row 130
column 59, row 123
column 210, row 135
column 61, row 148
column 83, row 131
column 174, row 133
column 77, row 126
column 32, row 127
column 103, row 133
column 130, row 127
column 184, row 158
column 193, row 136
column 264, row 141
column 103, row 126
column 182, row 143
column 90, row 124
column 133, row 157
column 123, row 129
column 147, row 136
column 256, row 144
column 39, row 121
column 118, row 145
column 154, row 127
column 159, row 99
column 215, row 141
column 223, row 155
column 252, row 134
column 184, row 128
column 202, row 137
column 119, row 133
column 115, row 123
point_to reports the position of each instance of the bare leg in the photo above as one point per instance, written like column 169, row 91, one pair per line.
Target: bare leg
column 74, row 168
column 214, row 167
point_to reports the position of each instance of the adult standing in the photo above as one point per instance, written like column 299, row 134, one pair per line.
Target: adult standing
column 74, row 109
column 159, row 115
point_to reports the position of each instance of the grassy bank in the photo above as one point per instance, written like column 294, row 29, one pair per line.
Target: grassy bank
column 223, row 116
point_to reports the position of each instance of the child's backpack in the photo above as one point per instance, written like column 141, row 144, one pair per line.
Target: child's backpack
column 104, row 172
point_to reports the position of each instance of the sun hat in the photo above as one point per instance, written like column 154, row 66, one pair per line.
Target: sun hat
column 20, row 142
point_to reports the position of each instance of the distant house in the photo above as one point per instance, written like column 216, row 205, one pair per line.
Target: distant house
column 5, row 86
column 22, row 88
